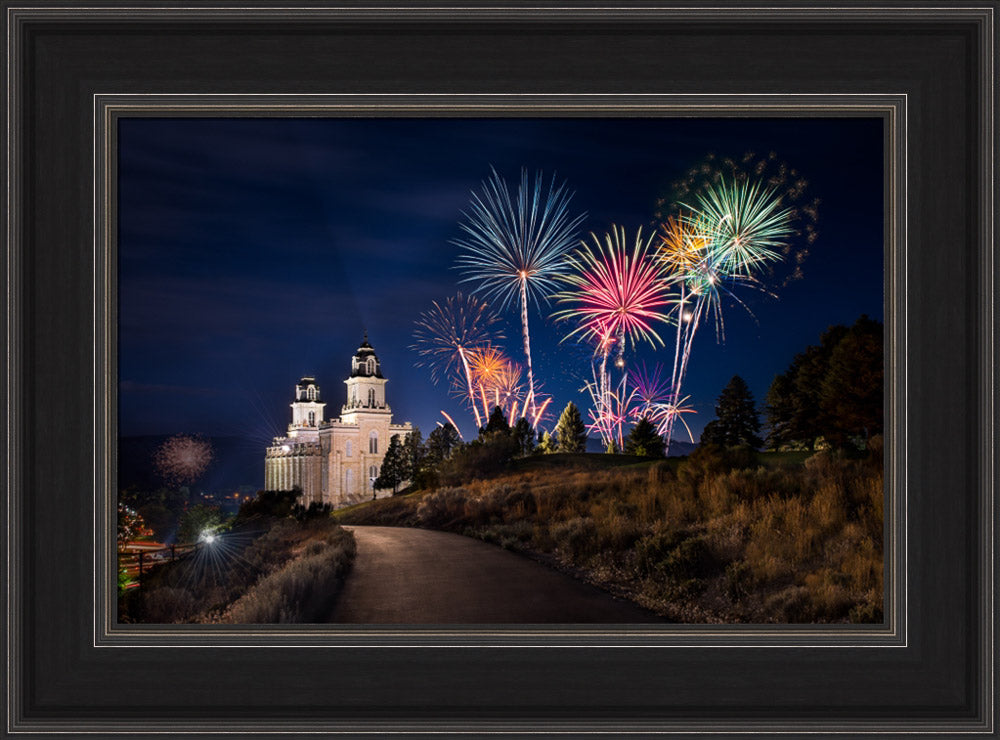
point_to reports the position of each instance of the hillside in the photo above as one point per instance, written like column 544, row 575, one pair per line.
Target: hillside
column 716, row 537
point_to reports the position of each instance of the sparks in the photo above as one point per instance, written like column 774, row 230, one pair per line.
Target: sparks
column 514, row 249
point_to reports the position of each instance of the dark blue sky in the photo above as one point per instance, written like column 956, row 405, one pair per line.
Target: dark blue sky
column 253, row 251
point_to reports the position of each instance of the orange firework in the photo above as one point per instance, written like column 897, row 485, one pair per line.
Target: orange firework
column 682, row 247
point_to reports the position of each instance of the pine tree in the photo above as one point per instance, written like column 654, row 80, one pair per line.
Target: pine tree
column 547, row 445
column 524, row 436
column 441, row 442
column 570, row 430
column 393, row 470
column 643, row 440
column 415, row 452
column 736, row 423
column 832, row 390
column 497, row 423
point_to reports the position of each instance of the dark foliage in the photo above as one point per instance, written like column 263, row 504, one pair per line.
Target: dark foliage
column 736, row 422
column 643, row 440
column 395, row 466
column 496, row 423
column 524, row 437
column 441, row 443
column 276, row 504
column 832, row 391
column 480, row 459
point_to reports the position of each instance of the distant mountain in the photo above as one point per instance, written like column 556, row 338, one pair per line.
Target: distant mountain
column 236, row 462
column 677, row 447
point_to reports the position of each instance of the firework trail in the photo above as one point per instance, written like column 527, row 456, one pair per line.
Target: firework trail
column 497, row 381
column 448, row 332
column 182, row 459
column 515, row 248
column 731, row 232
column 487, row 366
column 617, row 295
column 452, row 422
column 610, row 409
column 651, row 392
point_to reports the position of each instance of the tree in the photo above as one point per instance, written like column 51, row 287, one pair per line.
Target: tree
column 497, row 423
column 571, row 433
column 415, row 453
column 130, row 526
column 441, row 442
column 643, row 440
column 851, row 394
column 833, row 390
column 482, row 458
column 524, row 436
column 394, row 465
column 547, row 445
column 736, row 423
column 196, row 520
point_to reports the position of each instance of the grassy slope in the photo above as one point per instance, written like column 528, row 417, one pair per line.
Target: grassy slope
column 773, row 539
column 276, row 570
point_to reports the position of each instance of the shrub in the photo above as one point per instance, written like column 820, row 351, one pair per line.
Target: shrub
column 302, row 591
column 652, row 550
column 168, row 605
column 480, row 459
column 576, row 538
column 445, row 506
column 739, row 580
column 866, row 613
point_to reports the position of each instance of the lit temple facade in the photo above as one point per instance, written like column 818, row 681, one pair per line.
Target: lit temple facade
column 336, row 461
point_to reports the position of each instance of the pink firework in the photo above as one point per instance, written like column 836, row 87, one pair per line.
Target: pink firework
column 650, row 392
column 182, row 459
column 618, row 293
column 610, row 411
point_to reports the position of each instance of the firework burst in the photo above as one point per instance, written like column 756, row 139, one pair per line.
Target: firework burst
column 790, row 189
column 515, row 247
column 745, row 225
column 448, row 332
column 618, row 294
column 182, row 459
column 495, row 380
column 734, row 230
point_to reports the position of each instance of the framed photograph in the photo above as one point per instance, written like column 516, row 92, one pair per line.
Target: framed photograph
column 693, row 305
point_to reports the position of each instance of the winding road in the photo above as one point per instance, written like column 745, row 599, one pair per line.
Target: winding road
column 416, row 576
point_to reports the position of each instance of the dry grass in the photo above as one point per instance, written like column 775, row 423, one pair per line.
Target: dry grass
column 284, row 571
column 302, row 591
column 719, row 538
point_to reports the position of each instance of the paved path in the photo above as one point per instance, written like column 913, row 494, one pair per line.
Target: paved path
column 415, row 576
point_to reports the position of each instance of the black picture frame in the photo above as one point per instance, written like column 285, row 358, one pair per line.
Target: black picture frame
column 73, row 68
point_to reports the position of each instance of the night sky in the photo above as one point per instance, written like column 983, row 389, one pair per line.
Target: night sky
column 255, row 251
